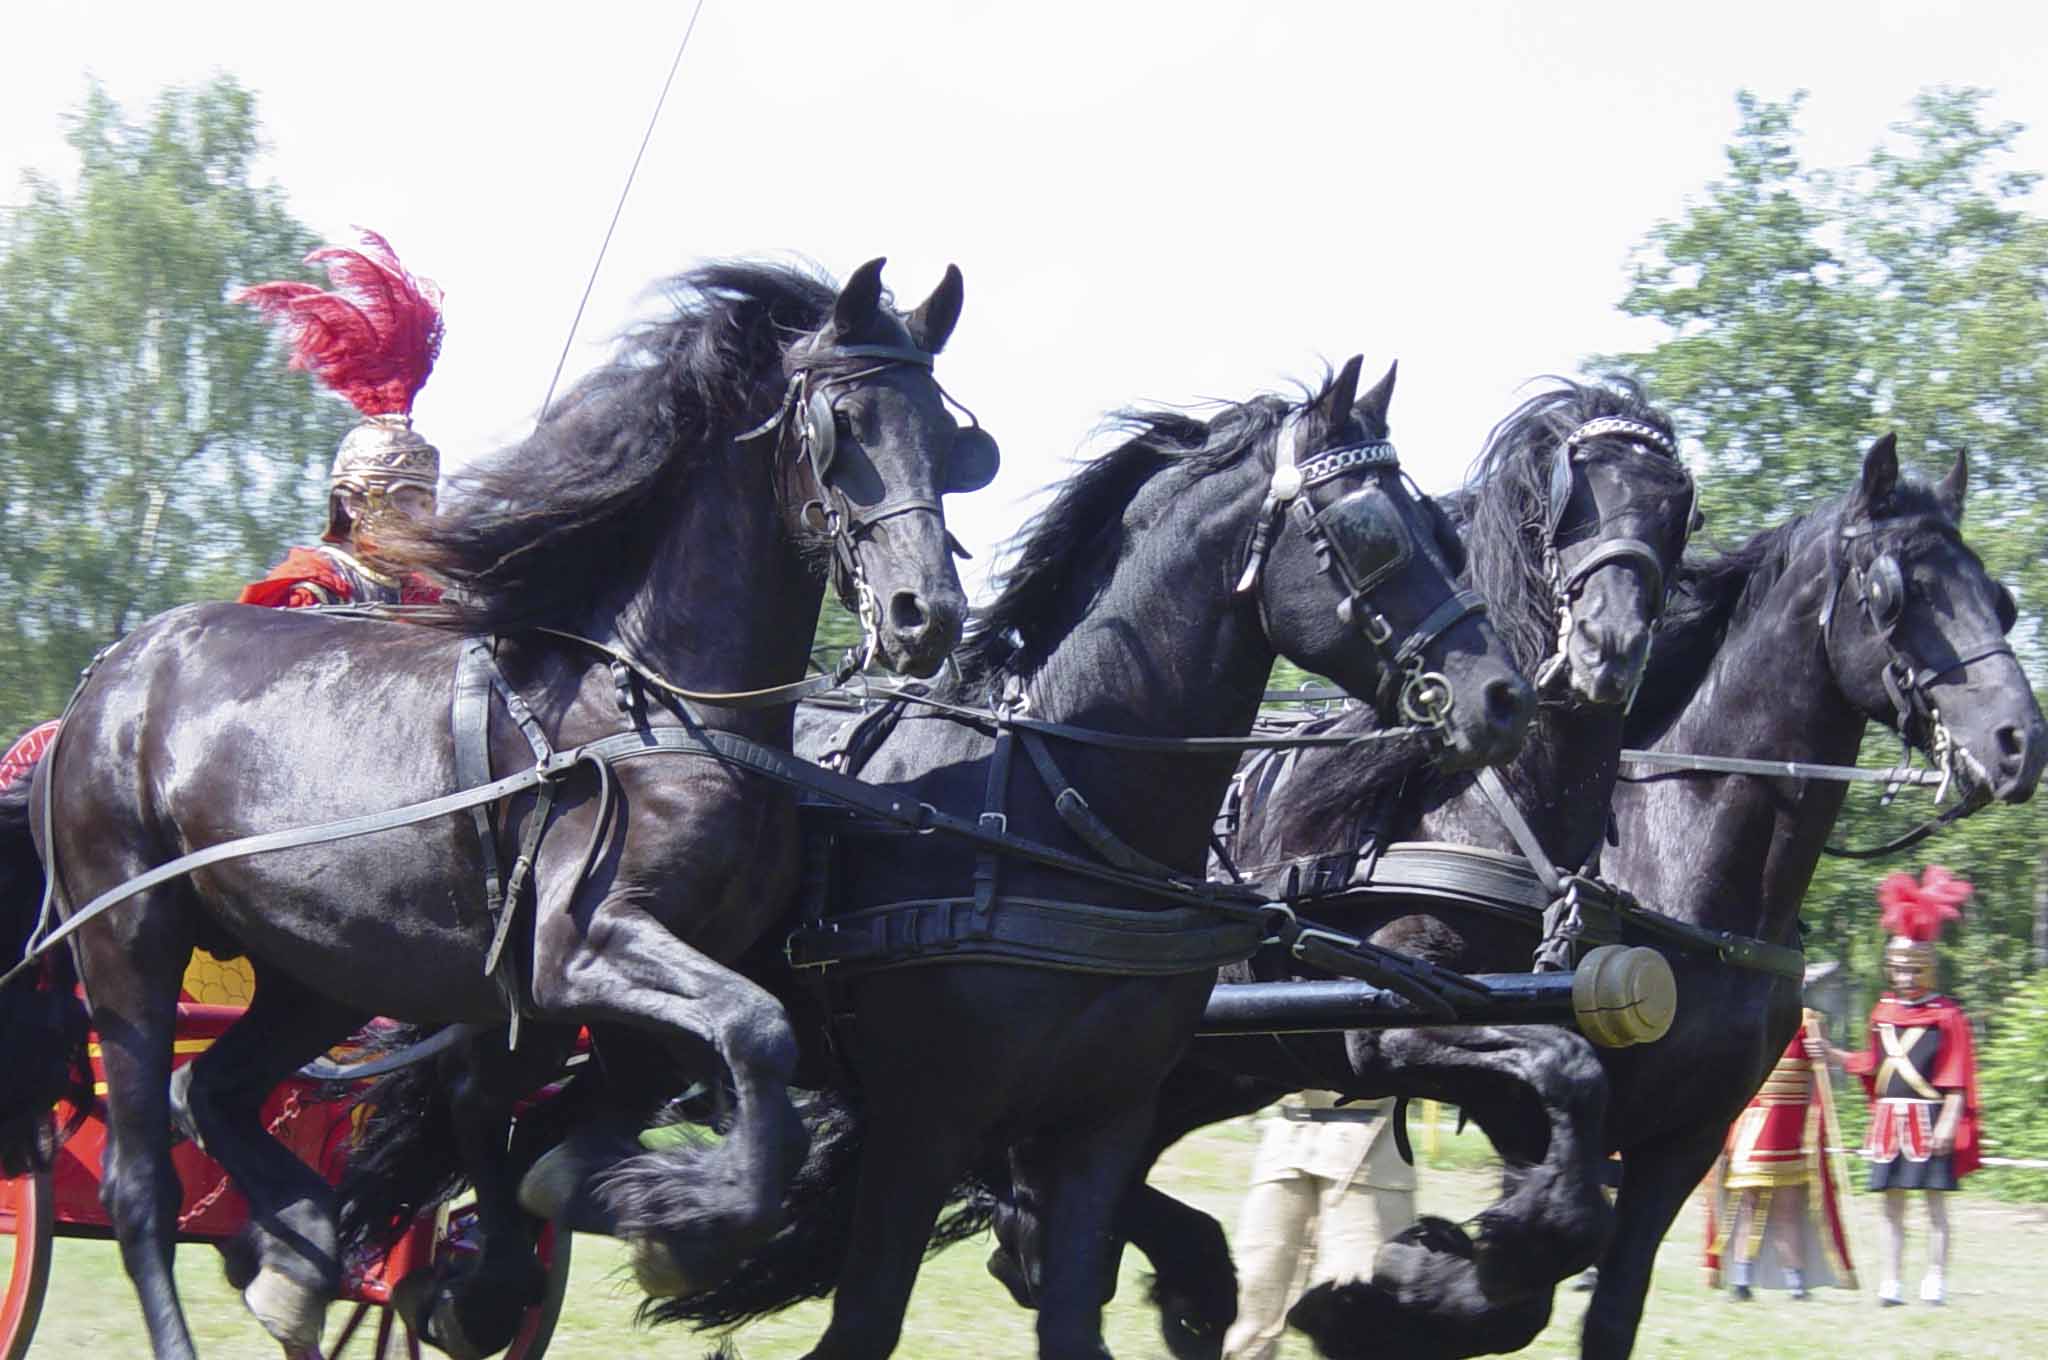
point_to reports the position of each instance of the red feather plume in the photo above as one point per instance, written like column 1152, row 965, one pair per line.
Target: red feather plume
column 373, row 339
column 1918, row 910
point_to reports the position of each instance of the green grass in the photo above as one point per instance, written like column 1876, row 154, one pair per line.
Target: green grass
column 959, row 1313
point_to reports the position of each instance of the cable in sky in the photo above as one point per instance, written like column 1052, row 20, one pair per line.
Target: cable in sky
column 598, row 264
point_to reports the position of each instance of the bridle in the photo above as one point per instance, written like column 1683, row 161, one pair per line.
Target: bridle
column 1567, row 587
column 808, row 416
column 1360, row 540
column 1880, row 588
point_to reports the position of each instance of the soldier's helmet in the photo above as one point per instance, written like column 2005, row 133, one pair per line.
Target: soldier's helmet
column 1915, row 912
column 373, row 339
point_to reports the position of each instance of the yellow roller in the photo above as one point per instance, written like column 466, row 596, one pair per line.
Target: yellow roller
column 1624, row 996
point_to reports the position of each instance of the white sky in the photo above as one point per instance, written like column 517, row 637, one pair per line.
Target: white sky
column 1151, row 202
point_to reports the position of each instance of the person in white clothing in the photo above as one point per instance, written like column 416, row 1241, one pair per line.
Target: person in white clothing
column 1328, row 1186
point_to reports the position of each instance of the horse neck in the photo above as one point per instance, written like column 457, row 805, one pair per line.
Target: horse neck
column 1561, row 782
column 1732, row 852
column 724, row 601
column 1163, row 648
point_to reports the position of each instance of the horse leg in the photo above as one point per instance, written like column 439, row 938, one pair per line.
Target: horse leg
column 911, row 1157
column 1194, row 1283
column 477, row 1309
column 1541, row 1096
column 692, row 1211
column 287, row 1262
column 134, row 983
column 1085, row 1174
column 1657, row 1180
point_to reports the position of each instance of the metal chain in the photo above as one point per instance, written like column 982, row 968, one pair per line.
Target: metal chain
column 291, row 1109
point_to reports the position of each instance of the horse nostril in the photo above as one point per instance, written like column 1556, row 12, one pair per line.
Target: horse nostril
column 906, row 612
column 1509, row 701
column 2012, row 744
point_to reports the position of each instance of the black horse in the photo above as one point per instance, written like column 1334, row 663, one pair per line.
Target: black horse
column 1781, row 650
column 1778, row 650
column 1127, row 612
column 1577, row 513
column 1147, row 600
column 662, row 527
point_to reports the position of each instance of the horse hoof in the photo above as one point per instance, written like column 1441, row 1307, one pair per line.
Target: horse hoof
column 290, row 1311
column 551, row 1183
column 656, row 1268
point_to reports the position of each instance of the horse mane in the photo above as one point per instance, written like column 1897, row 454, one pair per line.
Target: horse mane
column 1712, row 596
column 535, row 528
column 1059, row 551
column 1506, row 500
column 1502, row 511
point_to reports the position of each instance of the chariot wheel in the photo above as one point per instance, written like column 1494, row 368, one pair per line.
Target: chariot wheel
column 27, row 1231
column 376, row 1331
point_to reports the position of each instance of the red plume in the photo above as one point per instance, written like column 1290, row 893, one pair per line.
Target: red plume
column 374, row 339
column 1918, row 910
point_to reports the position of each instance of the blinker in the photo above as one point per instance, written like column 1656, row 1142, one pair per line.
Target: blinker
column 1884, row 586
column 972, row 462
column 1366, row 537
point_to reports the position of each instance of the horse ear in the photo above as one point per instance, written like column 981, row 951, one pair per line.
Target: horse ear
column 1955, row 486
column 933, row 321
column 859, row 299
column 1880, row 470
column 1334, row 406
column 1372, row 407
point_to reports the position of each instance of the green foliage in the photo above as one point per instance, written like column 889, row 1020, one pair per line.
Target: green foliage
column 153, row 446
column 1810, row 310
column 2013, row 1082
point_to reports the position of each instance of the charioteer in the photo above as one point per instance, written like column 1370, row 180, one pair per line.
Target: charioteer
column 374, row 340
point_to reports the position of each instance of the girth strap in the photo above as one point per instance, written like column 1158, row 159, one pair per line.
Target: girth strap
column 477, row 677
column 1504, row 885
column 1032, row 932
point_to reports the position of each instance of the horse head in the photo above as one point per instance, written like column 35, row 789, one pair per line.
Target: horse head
column 1366, row 592
column 875, row 448
column 1915, row 631
column 1581, row 511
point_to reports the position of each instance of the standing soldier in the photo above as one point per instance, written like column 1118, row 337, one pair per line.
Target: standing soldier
column 373, row 340
column 1920, row 1071
column 1328, row 1186
column 1774, row 1203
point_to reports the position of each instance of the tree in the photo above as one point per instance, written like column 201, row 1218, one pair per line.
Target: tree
column 1808, row 312
column 153, row 446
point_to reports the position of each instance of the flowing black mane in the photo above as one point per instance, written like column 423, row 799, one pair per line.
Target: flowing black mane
column 1060, row 551
column 1712, row 596
column 534, row 527
column 1506, row 496
column 1501, row 514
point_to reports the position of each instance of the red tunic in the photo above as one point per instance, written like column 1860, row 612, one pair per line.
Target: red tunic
column 316, row 576
column 1919, row 1052
column 1782, row 1141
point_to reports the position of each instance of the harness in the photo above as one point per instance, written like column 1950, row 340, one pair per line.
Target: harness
column 1567, row 587
column 1880, row 589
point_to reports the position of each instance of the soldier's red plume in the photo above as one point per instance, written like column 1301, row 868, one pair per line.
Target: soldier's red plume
column 374, row 338
column 1918, row 910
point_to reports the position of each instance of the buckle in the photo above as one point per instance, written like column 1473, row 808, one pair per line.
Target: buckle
column 994, row 823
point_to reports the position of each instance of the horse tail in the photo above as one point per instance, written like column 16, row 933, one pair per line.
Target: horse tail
column 804, row 1260
column 43, row 1025
column 404, row 1158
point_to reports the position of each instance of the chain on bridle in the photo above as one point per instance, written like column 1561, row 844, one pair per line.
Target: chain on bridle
column 809, row 413
column 1361, row 540
column 1566, row 588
